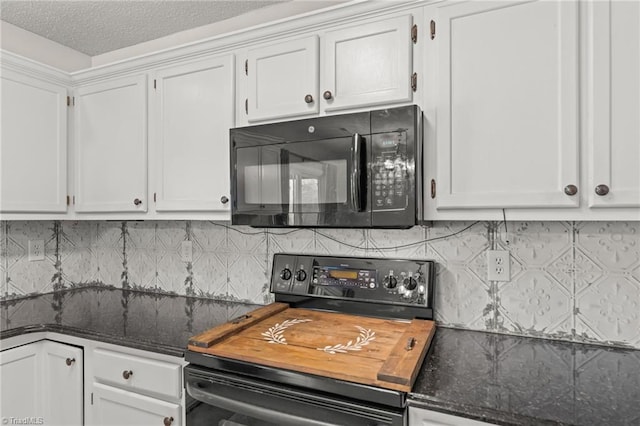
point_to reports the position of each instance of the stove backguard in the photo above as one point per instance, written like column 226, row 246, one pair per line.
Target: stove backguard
column 381, row 287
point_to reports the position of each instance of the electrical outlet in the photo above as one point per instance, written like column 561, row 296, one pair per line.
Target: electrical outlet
column 186, row 251
column 498, row 265
column 36, row 250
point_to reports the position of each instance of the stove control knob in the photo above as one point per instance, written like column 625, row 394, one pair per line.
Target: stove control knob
column 285, row 274
column 410, row 283
column 390, row 282
column 301, row 275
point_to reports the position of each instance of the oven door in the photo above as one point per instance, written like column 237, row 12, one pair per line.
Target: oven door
column 233, row 400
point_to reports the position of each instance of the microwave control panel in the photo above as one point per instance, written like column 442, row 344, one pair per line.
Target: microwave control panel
column 389, row 171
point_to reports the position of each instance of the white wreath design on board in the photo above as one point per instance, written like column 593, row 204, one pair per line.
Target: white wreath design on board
column 275, row 334
column 366, row 336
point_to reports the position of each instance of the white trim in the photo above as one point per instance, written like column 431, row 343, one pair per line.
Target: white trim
column 23, row 65
column 298, row 25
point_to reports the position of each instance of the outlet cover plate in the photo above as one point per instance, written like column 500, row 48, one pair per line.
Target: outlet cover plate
column 498, row 265
column 36, row 250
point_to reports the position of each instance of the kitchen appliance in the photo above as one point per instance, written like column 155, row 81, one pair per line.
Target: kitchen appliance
column 355, row 170
column 341, row 345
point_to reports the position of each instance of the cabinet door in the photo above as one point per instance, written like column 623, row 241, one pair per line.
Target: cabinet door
column 614, row 103
column 281, row 77
column 112, row 406
column 33, row 154
column 507, row 129
column 62, row 383
column 194, row 107
column 21, row 383
column 367, row 65
column 111, row 146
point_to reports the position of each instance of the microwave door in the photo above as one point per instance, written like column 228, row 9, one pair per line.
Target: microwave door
column 322, row 178
column 311, row 183
column 312, row 190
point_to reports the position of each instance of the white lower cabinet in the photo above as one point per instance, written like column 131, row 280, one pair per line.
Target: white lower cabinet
column 422, row 417
column 133, row 387
column 20, row 384
column 62, row 377
column 42, row 381
column 113, row 406
column 136, row 374
column 74, row 381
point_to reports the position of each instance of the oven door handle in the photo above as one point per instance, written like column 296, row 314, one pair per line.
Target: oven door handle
column 357, row 156
column 230, row 402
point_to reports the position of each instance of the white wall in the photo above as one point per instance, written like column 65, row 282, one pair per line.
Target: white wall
column 33, row 46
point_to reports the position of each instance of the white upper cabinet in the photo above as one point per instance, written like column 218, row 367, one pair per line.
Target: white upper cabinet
column 193, row 110
column 283, row 80
column 507, row 111
column 33, row 154
column 358, row 65
column 614, row 104
column 111, row 146
column 367, row 65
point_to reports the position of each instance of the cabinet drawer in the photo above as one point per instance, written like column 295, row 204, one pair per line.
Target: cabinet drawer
column 138, row 374
column 114, row 406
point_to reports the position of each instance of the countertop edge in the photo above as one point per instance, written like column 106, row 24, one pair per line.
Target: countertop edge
column 92, row 335
column 486, row 415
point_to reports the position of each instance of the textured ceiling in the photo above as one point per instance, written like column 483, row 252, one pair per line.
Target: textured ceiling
column 96, row 27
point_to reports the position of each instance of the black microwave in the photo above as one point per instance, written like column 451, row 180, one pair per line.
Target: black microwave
column 361, row 170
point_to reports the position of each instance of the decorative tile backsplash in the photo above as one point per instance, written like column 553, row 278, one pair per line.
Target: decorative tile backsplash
column 575, row 281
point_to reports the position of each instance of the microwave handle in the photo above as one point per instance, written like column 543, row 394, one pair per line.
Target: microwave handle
column 357, row 155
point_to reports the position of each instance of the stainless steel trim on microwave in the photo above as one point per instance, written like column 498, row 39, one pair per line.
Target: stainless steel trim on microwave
column 356, row 174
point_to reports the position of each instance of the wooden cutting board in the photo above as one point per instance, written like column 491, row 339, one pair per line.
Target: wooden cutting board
column 372, row 351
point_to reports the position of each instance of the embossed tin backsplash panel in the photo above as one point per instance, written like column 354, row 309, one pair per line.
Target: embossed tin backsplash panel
column 576, row 281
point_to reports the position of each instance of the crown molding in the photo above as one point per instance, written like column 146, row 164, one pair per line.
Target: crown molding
column 233, row 42
column 314, row 22
column 14, row 62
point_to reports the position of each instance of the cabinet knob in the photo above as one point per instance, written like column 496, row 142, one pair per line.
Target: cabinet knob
column 571, row 190
column 308, row 99
column 602, row 190
column 167, row 421
column 327, row 95
column 127, row 374
column 137, row 201
column 224, row 199
column 70, row 361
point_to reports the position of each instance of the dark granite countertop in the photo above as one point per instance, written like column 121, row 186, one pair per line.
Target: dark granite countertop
column 514, row 380
column 497, row 378
column 144, row 320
